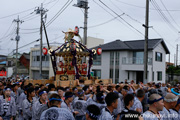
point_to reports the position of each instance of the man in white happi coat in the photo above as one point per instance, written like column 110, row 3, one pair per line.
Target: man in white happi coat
column 170, row 102
column 156, row 104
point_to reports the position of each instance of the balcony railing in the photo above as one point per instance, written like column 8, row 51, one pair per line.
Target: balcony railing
column 134, row 60
column 37, row 64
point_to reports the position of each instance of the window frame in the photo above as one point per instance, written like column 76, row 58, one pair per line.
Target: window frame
column 159, row 75
column 95, row 71
column 158, row 58
column 97, row 60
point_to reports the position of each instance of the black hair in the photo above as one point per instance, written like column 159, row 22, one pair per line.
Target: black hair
column 157, row 85
column 50, row 86
column 85, row 88
column 26, row 88
column 30, row 84
column 125, row 87
column 155, row 91
column 54, row 102
column 42, row 91
column 109, row 88
column 98, row 89
column 100, row 97
column 68, row 94
column 60, row 88
column 94, row 110
column 110, row 98
column 14, row 85
column 29, row 91
column 66, row 88
column 128, row 98
column 80, row 93
column 41, row 85
column 140, row 93
column 74, row 88
column 81, row 81
column 100, row 81
column 36, row 88
column 117, row 86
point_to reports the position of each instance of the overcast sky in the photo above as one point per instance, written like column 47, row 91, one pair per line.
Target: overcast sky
column 102, row 22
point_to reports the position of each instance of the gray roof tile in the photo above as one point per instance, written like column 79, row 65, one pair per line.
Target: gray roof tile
column 132, row 45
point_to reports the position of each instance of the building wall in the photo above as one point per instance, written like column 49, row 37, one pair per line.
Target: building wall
column 47, row 69
column 93, row 42
column 159, row 66
column 132, row 68
column 105, row 65
column 9, row 71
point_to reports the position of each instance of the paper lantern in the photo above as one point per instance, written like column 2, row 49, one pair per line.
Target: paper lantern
column 76, row 31
column 99, row 51
column 45, row 51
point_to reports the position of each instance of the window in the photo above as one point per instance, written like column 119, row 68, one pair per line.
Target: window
column 159, row 76
column 158, row 56
column 97, row 73
column 97, row 60
column 117, row 58
column 34, row 58
column 116, row 75
column 138, row 57
column 111, row 73
column 111, row 58
column 47, row 58
column 38, row 58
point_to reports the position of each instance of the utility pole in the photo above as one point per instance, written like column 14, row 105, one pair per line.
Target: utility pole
column 146, row 42
column 177, row 55
column 85, row 22
column 41, row 11
column 174, row 59
column 84, row 4
column 17, row 40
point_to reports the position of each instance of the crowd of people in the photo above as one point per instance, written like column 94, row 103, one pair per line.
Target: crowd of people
column 122, row 101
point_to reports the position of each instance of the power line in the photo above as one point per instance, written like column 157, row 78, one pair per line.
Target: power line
column 103, row 22
column 16, row 13
column 31, row 32
column 162, row 37
column 52, row 40
column 8, row 29
column 169, row 13
column 59, row 13
column 54, row 4
column 112, row 15
column 24, row 11
column 31, row 18
column 122, row 18
column 27, row 17
column 30, row 29
column 7, row 36
column 142, row 7
column 156, row 6
column 126, row 13
column 26, row 45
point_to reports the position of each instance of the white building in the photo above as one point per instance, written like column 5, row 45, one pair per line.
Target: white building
column 92, row 42
column 122, row 60
column 47, row 70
